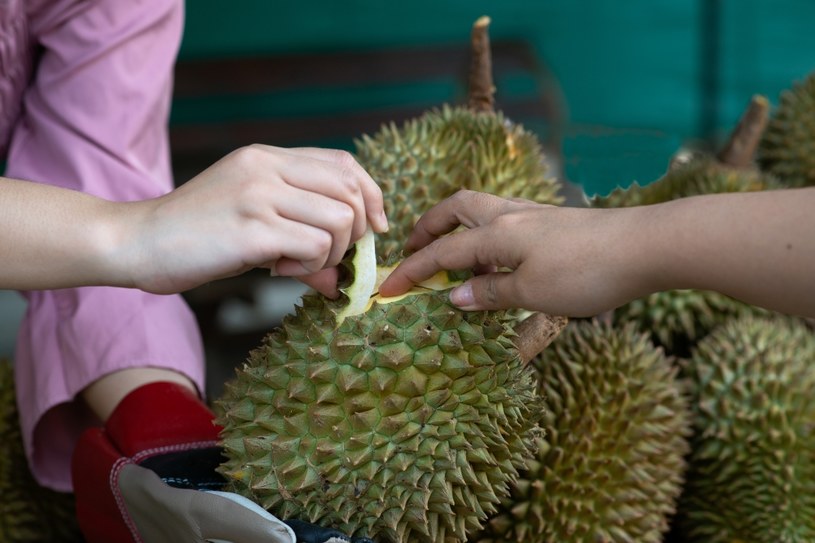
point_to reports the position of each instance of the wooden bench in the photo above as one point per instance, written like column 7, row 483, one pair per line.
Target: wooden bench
column 222, row 104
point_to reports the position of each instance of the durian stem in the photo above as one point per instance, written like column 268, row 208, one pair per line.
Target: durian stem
column 741, row 147
column 482, row 88
column 536, row 332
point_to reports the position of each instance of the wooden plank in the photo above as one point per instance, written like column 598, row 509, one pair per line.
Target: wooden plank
column 264, row 74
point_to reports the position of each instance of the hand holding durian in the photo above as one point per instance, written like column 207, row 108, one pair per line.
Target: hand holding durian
column 756, row 247
column 295, row 211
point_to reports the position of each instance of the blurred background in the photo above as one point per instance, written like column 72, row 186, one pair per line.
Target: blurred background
column 613, row 89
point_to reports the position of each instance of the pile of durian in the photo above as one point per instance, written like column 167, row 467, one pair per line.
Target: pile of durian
column 28, row 512
column 686, row 417
column 749, row 372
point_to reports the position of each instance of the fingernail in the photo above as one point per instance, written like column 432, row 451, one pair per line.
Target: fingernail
column 383, row 220
column 463, row 296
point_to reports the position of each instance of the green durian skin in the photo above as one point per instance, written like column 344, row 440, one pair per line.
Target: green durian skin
column 701, row 175
column 752, row 471
column 407, row 423
column 443, row 151
column 787, row 146
column 617, row 424
column 29, row 513
column 678, row 319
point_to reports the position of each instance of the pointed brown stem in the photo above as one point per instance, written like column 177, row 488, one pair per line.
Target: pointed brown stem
column 481, row 84
column 536, row 332
column 741, row 147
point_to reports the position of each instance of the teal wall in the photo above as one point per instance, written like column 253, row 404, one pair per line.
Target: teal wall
column 640, row 77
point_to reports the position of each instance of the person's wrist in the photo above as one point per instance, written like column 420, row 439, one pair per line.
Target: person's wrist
column 650, row 252
column 634, row 251
column 121, row 243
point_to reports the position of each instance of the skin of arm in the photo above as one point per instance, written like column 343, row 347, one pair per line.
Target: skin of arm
column 757, row 247
column 294, row 211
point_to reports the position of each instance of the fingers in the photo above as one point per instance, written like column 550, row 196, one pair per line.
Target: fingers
column 324, row 281
column 314, row 209
column 467, row 208
column 488, row 292
column 337, row 174
column 306, row 248
column 321, row 189
column 468, row 249
column 459, row 251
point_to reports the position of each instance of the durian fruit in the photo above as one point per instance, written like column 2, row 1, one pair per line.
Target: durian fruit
column 701, row 175
column 405, row 422
column 453, row 148
column 677, row 319
column 443, row 151
column 612, row 465
column 28, row 512
column 787, row 148
column 752, row 469
column 400, row 419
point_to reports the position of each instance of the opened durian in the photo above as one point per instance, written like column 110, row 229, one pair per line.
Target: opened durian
column 787, row 148
column 29, row 513
column 612, row 465
column 752, row 470
column 401, row 419
column 405, row 422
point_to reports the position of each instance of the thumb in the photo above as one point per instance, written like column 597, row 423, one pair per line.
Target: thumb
column 485, row 292
column 323, row 281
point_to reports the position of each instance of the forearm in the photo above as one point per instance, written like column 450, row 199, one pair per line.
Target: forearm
column 55, row 238
column 757, row 247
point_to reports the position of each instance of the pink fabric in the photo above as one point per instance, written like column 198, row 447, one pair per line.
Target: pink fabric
column 94, row 119
column 15, row 65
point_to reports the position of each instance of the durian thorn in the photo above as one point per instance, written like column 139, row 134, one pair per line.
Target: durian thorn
column 536, row 332
column 482, row 87
column 740, row 149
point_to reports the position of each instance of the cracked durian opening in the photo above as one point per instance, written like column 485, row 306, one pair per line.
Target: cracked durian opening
column 364, row 291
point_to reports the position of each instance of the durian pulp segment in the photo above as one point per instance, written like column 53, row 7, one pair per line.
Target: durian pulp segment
column 364, row 285
column 440, row 281
column 364, row 291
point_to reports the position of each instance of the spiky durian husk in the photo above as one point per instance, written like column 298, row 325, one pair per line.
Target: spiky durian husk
column 787, row 147
column 752, row 469
column 443, row 151
column 407, row 423
column 677, row 319
column 702, row 175
column 28, row 512
column 616, row 425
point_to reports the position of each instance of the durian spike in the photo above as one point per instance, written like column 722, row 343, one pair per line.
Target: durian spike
column 740, row 149
column 482, row 88
column 536, row 332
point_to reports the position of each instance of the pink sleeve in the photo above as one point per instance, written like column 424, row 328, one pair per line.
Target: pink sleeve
column 95, row 120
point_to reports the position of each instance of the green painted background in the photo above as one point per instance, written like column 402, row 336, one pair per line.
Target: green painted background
column 640, row 77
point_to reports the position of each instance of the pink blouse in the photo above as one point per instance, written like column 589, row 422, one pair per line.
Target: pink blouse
column 94, row 118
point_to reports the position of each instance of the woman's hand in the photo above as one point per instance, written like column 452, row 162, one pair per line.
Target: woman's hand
column 757, row 247
column 294, row 211
column 559, row 260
